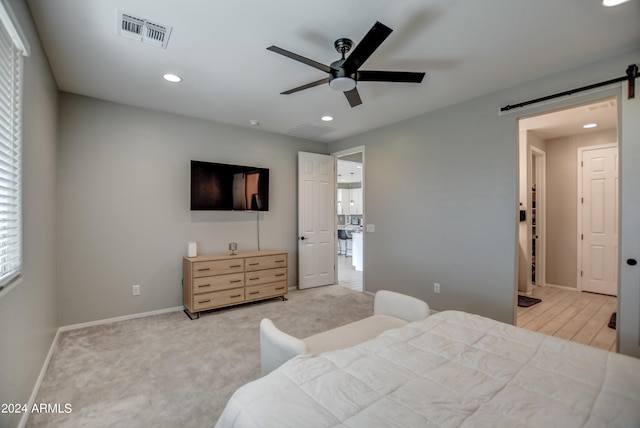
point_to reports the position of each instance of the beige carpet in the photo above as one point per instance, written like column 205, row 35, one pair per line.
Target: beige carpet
column 169, row 371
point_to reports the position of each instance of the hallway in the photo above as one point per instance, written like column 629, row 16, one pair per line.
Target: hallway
column 348, row 276
column 573, row 315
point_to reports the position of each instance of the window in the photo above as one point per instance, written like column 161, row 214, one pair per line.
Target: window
column 12, row 49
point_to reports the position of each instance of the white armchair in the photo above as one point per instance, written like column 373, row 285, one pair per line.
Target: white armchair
column 390, row 310
column 399, row 305
column 276, row 346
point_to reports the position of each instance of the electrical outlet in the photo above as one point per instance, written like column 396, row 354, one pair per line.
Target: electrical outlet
column 436, row 287
column 136, row 290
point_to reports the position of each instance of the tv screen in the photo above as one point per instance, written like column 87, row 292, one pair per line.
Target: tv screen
column 217, row 186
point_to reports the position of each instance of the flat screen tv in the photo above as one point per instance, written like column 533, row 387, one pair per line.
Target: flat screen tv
column 223, row 187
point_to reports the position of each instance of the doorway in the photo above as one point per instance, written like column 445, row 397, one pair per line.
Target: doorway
column 349, row 252
column 551, row 226
column 538, row 210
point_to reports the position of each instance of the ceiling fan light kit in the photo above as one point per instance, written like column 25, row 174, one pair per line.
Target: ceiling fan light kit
column 342, row 84
column 345, row 73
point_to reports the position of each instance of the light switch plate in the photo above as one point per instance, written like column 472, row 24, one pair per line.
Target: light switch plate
column 371, row 227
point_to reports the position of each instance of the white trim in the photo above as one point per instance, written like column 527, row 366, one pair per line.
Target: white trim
column 122, row 318
column 541, row 220
column 10, row 285
column 336, row 155
column 36, row 388
column 11, row 23
column 562, row 287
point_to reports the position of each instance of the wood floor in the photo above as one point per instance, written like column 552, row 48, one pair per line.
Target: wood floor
column 573, row 315
column 348, row 276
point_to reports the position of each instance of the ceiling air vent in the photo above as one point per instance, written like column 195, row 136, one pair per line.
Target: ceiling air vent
column 309, row 131
column 600, row 106
column 137, row 28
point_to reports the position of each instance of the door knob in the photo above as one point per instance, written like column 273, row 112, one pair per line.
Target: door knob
column 632, row 262
column 301, row 238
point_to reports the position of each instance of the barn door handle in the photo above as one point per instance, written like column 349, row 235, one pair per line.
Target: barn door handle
column 632, row 262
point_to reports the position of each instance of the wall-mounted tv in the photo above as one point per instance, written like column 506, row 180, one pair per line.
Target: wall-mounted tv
column 223, row 187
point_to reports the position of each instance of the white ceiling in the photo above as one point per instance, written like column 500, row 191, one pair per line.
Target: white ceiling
column 570, row 121
column 468, row 48
column 349, row 172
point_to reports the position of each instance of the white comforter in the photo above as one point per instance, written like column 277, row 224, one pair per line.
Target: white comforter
column 451, row 369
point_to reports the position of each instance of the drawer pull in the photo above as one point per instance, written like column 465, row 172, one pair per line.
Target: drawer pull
column 204, row 285
column 254, row 264
column 254, row 292
column 235, row 296
column 235, row 266
column 279, row 274
column 204, row 301
column 254, row 279
column 203, row 269
column 235, row 280
column 279, row 261
column 279, row 288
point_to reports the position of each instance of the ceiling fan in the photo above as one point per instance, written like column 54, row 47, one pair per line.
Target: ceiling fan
column 345, row 72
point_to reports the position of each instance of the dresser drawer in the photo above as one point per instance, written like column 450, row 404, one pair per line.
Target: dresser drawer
column 266, row 290
column 217, row 267
column 218, row 298
column 265, row 276
column 207, row 284
column 265, row 262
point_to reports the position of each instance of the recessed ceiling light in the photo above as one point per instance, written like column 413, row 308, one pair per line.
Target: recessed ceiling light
column 610, row 3
column 589, row 125
column 327, row 118
column 173, row 78
column 254, row 122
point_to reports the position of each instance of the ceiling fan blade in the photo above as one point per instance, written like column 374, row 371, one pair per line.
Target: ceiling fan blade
column 307, row 86
column 353, row 97
column 296, row 57
column 389, row 76
column 374, row 38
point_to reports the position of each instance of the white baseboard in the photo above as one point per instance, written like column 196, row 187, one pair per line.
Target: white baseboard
column 36, row 387
column 563, row 287
column 43, row 371
column 122, row 318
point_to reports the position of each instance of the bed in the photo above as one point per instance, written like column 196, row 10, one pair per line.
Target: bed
column 451, row 369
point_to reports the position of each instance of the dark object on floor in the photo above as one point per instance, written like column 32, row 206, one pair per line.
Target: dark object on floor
column 526, row 301
column 612, row 321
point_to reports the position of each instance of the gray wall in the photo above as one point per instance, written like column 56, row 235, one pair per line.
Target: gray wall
column 442, row 193
column 123, row 203
column 28, row 312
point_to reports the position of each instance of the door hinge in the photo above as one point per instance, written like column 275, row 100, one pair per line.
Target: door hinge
column 582, row 237
column 582, row 200
column 582, row 163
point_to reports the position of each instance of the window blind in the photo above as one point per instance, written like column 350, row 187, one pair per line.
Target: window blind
column 10, row 156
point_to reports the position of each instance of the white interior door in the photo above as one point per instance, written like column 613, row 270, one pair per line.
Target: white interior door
column 599, row 213
column 316, row 220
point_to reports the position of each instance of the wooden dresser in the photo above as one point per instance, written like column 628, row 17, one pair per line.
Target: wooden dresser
column 218, row 280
